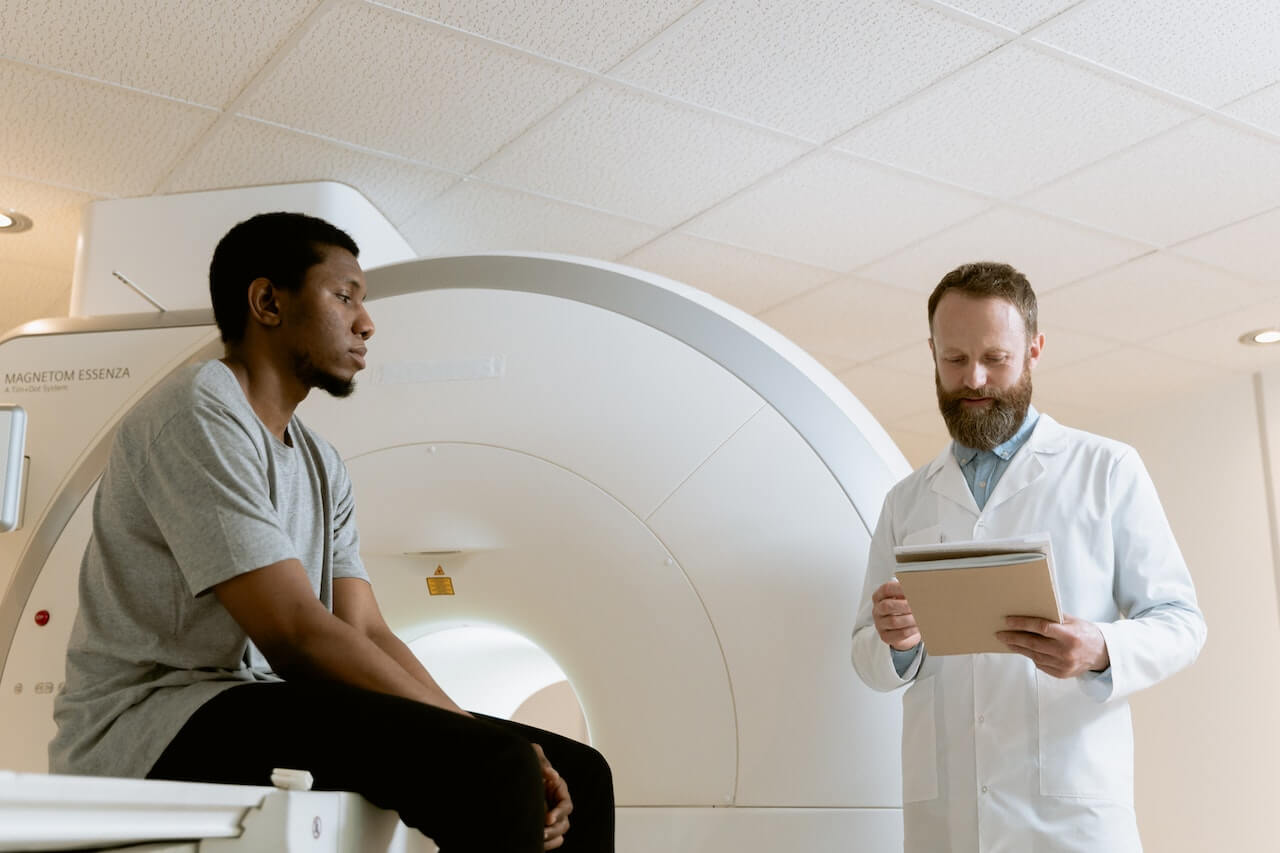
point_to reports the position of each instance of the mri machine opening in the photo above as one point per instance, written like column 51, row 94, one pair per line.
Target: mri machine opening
column 654, row 496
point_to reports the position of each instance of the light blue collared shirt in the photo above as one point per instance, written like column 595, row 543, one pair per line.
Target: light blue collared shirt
column 982, row 469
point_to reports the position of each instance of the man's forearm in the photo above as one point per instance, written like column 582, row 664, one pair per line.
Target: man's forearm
column 395, row 648
column 329, row 648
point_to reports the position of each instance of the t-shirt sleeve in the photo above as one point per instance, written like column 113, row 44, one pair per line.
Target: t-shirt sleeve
column 205, row 484
column 346, row 538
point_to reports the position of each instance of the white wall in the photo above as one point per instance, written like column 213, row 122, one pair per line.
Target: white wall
column 1208, row 743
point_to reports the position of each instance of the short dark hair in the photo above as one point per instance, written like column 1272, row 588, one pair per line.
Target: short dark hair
column 278, row 246
column 988, row 279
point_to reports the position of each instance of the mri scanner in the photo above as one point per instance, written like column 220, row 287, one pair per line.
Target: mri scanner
column 652, row 490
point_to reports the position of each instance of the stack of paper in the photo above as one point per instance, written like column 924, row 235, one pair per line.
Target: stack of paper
column 961, row 592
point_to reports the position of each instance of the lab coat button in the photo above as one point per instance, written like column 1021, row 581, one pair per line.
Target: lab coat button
column 984, row 789
column 981, row 719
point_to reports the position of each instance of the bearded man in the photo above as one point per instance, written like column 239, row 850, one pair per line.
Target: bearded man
column 1031, row 750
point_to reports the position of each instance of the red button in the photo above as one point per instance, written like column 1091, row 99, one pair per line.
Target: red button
column 42, row 618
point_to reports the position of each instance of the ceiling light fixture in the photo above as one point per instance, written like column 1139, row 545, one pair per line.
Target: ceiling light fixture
column 13, row 222
column 1261, row 336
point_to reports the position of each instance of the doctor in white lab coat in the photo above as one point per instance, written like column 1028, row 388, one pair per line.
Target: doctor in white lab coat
column 1030, row 751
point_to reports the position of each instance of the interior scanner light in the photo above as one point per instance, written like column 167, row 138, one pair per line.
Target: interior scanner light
column 1261, row 336
column 12, row 222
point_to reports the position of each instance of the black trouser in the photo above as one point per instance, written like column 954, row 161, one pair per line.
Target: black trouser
column 468, row 784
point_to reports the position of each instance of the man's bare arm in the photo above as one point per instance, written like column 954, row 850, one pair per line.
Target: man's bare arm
column 354, row 603
column 277, row 608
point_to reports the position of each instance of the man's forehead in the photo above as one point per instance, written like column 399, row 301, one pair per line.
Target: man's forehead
column 960, row 315
column 339, row 262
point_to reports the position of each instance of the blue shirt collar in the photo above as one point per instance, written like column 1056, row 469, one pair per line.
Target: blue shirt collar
column 964, row 455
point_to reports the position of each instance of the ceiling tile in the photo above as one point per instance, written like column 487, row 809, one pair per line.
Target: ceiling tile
column 834, row 363
column 1250, row 248
column 919, row 448
column 1217, row 340
column 241, row 152
column 915, row 358
column 747, row 280
column 850, row 318
column 475, row 217
column 1124, row 379
column 595, row 34
column 1012, row 121
column 1066, row 413
column 32, row 293
column 927, row 421
column 204, row 51
column 99, row 138
column 397, row 84
column 638, row 156
column 1020, row 15
column 1193, row 179
column 1261, row 108
column 1211, row 51
column 1049, row 252
column 1147, row 297
column 813, row 68
column 55, row 216
column 831, row 211
column 1063, row 347
column 889, row 394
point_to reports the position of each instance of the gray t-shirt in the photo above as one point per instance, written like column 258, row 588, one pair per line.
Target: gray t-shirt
column 196, row 491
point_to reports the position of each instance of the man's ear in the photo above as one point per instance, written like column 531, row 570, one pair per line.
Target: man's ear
column 1034, row 348
column 263, row 306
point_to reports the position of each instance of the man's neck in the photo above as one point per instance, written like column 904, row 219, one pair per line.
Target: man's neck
column 272, row 394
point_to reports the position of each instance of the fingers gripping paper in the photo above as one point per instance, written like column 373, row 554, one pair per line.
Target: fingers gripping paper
column 961, row 592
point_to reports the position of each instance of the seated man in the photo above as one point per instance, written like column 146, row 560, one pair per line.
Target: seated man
column 226, row 622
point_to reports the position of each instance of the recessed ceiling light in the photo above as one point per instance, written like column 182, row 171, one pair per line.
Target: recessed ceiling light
column 12, row 222
column 1261, row 336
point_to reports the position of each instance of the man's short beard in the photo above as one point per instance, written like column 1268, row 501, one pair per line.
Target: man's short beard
column 312, row 377
column 987, row 427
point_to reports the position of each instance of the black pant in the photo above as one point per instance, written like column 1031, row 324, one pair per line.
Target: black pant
column 468, row 784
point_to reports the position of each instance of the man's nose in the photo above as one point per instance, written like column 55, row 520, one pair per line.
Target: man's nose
column 975, row 377
column 364, row 324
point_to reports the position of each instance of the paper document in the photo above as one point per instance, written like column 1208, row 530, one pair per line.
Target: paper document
column 961, row 592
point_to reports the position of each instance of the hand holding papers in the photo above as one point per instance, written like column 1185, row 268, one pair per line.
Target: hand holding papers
column 961, row 592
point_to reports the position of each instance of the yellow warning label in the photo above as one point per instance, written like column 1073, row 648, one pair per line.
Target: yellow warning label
column 440, row 583
column 440, row 586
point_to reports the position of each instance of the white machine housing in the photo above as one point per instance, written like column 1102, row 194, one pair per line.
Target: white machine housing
column 665, row 495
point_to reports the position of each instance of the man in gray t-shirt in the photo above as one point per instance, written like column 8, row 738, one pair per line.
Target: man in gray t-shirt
column 226, row 622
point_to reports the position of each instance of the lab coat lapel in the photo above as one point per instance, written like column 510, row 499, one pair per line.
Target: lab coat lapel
column 946, row 479
column 1027, row 464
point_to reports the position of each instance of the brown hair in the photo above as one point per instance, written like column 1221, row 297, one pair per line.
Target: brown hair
column 987, row 279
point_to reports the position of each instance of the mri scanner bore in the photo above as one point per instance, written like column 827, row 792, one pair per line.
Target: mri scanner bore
column 669, row 499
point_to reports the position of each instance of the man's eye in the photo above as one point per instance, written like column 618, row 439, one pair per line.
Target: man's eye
column 344, row 297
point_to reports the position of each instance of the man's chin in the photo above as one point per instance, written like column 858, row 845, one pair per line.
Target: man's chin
column 334, row 386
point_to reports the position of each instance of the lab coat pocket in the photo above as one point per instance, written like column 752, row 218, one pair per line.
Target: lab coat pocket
column 930, row 535
column 1086, row 746
column 919, row 743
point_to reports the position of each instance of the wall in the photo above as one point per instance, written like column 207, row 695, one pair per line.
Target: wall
column 1208, row 746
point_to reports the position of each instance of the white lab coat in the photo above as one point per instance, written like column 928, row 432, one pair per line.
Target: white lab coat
column 997, row 756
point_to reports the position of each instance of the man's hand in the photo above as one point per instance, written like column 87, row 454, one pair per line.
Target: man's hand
column 1063, row 651
column 558, row 803
column 894, row 621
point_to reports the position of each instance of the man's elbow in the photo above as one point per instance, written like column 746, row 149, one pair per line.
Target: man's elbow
column 290, row 642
